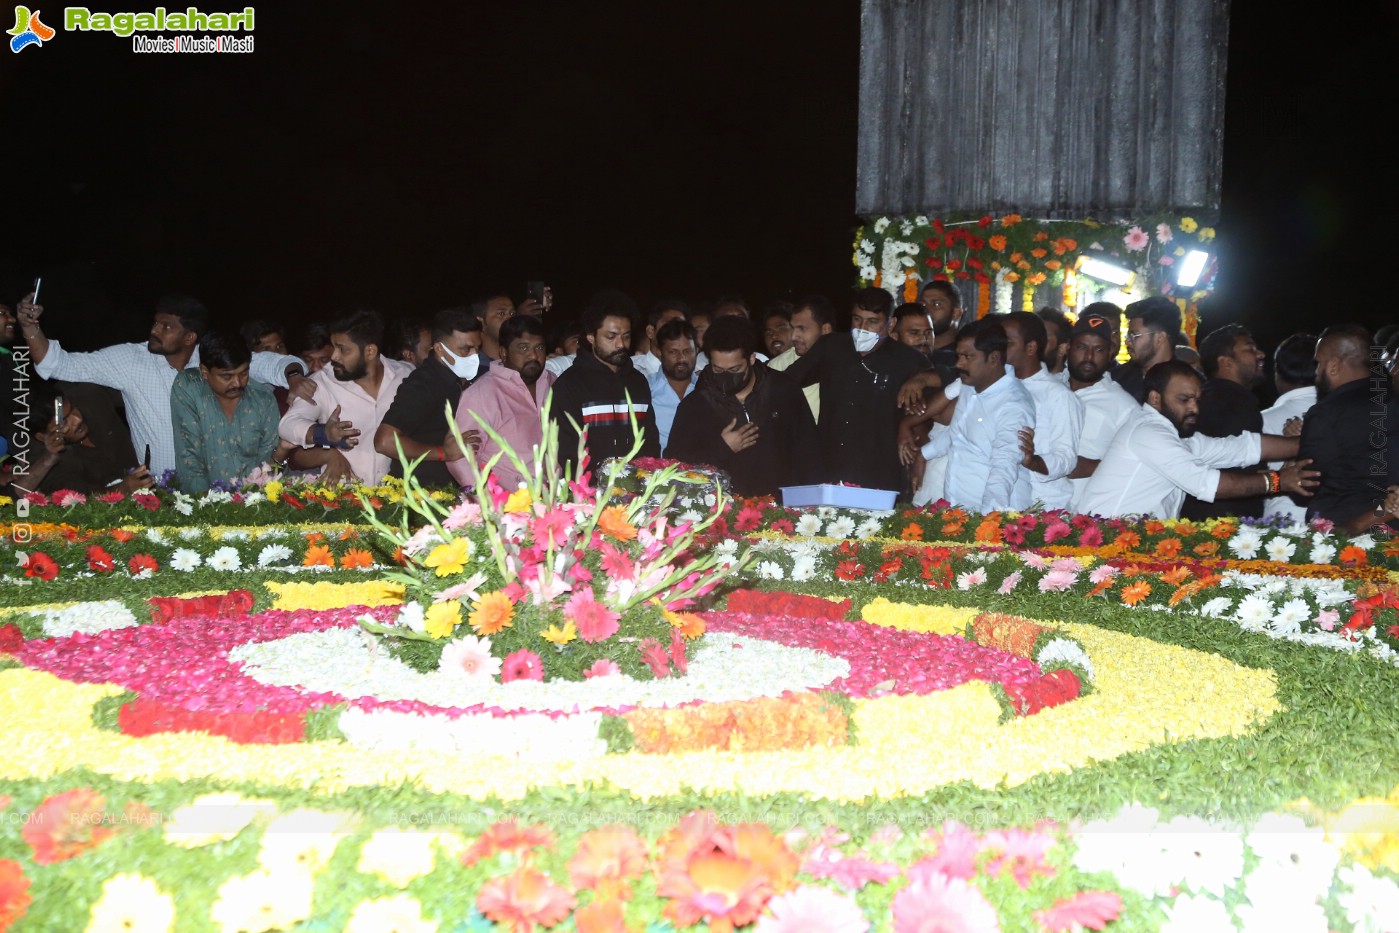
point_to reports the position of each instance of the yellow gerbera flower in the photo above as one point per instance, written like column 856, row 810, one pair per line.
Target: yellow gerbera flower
column 560, row 635
column 449, row 558
column 1188, row 225
column 519, row 501
column 442, row 618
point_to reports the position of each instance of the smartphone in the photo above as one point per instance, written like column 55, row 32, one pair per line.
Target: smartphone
column 535, row 291
column 58, row 412
column 147, row 460
column 37, row 282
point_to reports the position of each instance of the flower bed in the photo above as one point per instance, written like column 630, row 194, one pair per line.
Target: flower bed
column 1018, row 738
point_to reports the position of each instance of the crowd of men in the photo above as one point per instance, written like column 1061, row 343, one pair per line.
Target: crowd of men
column 1008, row 412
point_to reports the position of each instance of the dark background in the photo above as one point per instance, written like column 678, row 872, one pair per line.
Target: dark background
column 412, row 159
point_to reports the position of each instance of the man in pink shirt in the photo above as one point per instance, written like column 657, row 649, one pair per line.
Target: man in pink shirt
column 509, row 399
column 335, row 430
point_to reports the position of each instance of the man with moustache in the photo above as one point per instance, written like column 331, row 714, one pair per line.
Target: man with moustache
column 508, row 399
column 812, row 318
column 1106, row 407
column 1153, row 333
column 745, row 419
column 982, row 443
column 602, row 392
column 225, row 425
column 1157, row 458
column 675, row 346
column 1233, row 365
column 352, row 396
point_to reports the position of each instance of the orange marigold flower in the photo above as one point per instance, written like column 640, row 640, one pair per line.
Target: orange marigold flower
column 1017, row 257
column 1167, row 547
column 912, row 532
column 1010, row 220
column 1054, row 265
column 1069, row 243
column 996, row 242
column 356, row 557
column 318, row 555
column 606, row 859
column 1012, row 277
column 1039, row 252
column 613, row 522
column 1037, row 278
column 1207, row 549
column 491, row 614
column 1352, row 555
column 523, row 899
column 1041, row 236
column 1135, row 593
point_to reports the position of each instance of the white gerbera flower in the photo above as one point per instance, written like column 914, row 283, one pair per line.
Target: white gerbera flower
column 411, row 616
column 1216, row 607
column 1254, row 612
column 1065, row 651
column 1246, row 544
column 803, row 568
column 771, row 570
column 808, row 526
column 881, row 225
column 1290, row 617
column 185, row 559
column 842, row 527
column 252, row 498
column 1280, row 549
column 868, row 272
column 971, row 578
column 155, row 536
column 1322, row 553
column 869, row 528
column 225, row 558
column 191, row 534
column 273, row 554
column 1365, row 541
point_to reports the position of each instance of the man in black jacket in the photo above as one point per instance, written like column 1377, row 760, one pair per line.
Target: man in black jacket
column 746, row 419
column 1233, row 365
column 601, row 392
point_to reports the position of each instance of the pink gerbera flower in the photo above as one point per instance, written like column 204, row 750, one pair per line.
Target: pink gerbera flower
column 603, row 667
column 1057, row 581
column 1019, row 852
column 810, row 909
column 522, row 665
column 937, row 902
column 1009, row 583
column 1103, row 574
column 551, row 529
column 616, row 563
column 957, row 848
column 594, row 620
column 1136, row 240
column 469, row 656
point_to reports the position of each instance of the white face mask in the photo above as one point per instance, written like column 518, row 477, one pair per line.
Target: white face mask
column 865, row 340
column 465, row 367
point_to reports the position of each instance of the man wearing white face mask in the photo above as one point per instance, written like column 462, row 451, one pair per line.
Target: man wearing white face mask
column 860, row 374
column 418, row 419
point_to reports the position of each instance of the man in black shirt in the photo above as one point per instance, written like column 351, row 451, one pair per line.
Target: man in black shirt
column 1352, row 432
column 1153, row 331
column 417, row 417
column 1233, row 365
column 860, row 374
column 601, row 392
column 746, row 419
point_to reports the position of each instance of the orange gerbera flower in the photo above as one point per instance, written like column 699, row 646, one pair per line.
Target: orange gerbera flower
column 1039, row 252
column 996, row 242
column 954, row 528
column 314, row 537
column 989, row 531
column 1176, row 575
column 318, row 555
column 614, row 524
column 1224, row 530
column 722, row 874
column 1128, row 540
column 1135, row 593
column 606, row 859
column 1352, row 555
column 1102, row 587
column 122, row 535
column 356, row 557
column 1185, row 529
column 492, row 613
column 601, row 917
column 1167, row 547
column 1206, row 549
column 1153, row 527
column 523, row 899
column 507, row 836
column 912, row 532
column 689, row 624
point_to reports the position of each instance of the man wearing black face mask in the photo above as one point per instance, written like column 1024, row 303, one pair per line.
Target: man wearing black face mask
column 417, row 418
column 745, row 419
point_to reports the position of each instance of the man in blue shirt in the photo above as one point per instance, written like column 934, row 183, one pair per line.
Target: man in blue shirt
column 675, row 344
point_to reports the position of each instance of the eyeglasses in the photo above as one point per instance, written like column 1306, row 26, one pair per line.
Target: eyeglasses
column 1130, row 336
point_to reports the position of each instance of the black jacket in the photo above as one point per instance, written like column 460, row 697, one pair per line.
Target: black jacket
column 786, row 453
column 1226, row 409
column 1352, row 436
column 595, row 398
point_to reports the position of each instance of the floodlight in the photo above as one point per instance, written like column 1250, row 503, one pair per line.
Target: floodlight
column 1191, row 267
column 1105, row 269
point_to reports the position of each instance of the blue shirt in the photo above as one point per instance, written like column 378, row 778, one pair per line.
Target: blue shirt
column 664, row 402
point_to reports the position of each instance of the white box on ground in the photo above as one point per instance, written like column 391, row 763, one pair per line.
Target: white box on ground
column 849, row 497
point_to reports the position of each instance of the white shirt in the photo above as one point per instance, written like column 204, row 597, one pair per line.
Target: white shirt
column 1289, row 405
column 982, row 446
column 559, row 364
column 1106, row 408
column 1059, row 417
column 1149, row 467
column 645, row 363
column 785, row 359
column 144, row 380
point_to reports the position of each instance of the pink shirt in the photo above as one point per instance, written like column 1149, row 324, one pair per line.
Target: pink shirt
column 503, row 401
column 357, row 406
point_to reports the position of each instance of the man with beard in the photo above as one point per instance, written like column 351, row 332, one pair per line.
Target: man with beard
column 352, row 397
column 913, row 327
column 1050, row 449
column 675, row 345
column 144, row 373
column 225, row 425
column 1233, row 365
column 1153, row 333
column 812, row 318
column 745, row 419
column 1157, row 458
column 601, row 392
column 1352, row 432
column 1106, row 408
column 507, row 399
column 418, row 420
column 981, row 443
column 1058, row 333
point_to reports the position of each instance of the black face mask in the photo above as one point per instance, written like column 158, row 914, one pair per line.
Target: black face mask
column 728, row 383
